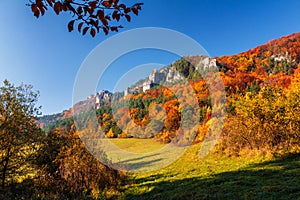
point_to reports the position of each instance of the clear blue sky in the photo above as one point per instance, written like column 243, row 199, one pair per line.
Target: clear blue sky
column 42, row 52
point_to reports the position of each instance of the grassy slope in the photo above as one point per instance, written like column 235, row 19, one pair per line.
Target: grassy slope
column 137, row 145
column 216, row 177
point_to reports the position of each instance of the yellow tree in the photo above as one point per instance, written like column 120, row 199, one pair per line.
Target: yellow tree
column 19, row 132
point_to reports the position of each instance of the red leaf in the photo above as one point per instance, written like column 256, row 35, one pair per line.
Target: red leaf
column 93, row 32
column 39, row 3
column 116, row 6
column 118, row 16
column 127, row 10
column 71, row 25
column 37, row 14
column 91, row 11
column 135, row 11
column 85, row 30
column 115, row 13
column 49, row 2
column 57, row 7
column 42, row 10
column 34, row 8
column 93, row 4
column 100, row 14
column 86, row 10
column 122, row 6
column 104, row 21
column 105, row 30
column 97, row 23
column 64, row 7
column 116, row 1
column 114, row 28
column 80, row 26
column 79, row 10
column 128, row 18
column 106, row 4
column 139, row 7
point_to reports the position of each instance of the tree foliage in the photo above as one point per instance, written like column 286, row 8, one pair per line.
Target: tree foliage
column 266, row 122
column 19, row 133
column 91, row 16
column 68, row 170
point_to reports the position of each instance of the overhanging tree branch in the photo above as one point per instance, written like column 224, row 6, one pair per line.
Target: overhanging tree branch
column 91, row 15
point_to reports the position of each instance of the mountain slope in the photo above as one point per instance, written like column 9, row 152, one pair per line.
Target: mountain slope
column 273, row 63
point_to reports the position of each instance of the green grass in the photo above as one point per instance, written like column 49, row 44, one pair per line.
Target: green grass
column 216, row 177
column 139, row 155
column 138, row 145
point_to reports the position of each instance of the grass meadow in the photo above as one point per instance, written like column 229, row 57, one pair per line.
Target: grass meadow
column 212, row 177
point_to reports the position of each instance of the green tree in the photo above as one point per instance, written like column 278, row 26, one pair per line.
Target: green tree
column 19, row 132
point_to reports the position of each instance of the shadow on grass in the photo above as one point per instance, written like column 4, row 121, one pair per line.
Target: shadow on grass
column 276, row 179
column 139, row 158
column 141, row 165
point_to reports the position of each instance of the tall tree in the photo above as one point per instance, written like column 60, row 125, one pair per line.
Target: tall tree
column 19, row 132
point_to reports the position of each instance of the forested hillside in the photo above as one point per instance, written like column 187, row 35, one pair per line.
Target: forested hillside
column 261, row 87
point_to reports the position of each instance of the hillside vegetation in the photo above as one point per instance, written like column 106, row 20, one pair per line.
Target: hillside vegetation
column 261, row 85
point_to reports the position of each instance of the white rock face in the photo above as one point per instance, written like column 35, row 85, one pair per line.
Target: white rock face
column 168, row 75
column 173, row 76
column 206, row 62
column 282, row 57
column 146, row 86
column 157, row 76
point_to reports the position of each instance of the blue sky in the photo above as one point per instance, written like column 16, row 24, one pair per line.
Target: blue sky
column 41, row 52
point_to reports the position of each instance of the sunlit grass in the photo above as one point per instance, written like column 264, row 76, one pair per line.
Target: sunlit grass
column 218, row 177
column 138, row 145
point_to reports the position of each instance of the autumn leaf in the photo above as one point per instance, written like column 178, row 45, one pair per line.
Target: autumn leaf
column 93, row 32
column 79, row 10
column 128, row 18
column 85, row 30
column 122, row 6
column 37, row 14
column 42, row 10
column 49, row 2
column 39, row 3
column 118, row 16
column 93, row 4
column 115, row 13
column 106, row 4
column 100, row 14
column 135, row 11
column 80, row 26
column 104, row 21
column 57, row 7
column 114, row 28
column 105, row 30
column 71, row 25
column 34, row 8
column 127, row 10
